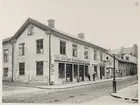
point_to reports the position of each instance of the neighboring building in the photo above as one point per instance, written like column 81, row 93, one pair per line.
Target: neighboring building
column 26, row 55
column 125, row 63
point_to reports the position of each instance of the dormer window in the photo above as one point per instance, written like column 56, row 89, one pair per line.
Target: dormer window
column 30, row 30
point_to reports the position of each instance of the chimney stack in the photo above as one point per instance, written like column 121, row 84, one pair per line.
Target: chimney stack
column 51, row 23
column 135, row 47
column 81, row 35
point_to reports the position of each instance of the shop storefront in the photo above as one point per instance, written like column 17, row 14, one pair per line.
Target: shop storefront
column 71, row 69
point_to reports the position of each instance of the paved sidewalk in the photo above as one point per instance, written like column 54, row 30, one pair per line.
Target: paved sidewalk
column 63, row 86
column 129, row 93
column 109, row 100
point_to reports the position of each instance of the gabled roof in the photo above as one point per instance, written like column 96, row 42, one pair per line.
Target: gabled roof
column 45, row 27
column 124, row 51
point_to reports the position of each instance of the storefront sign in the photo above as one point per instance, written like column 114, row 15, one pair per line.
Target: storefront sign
column 64, row 58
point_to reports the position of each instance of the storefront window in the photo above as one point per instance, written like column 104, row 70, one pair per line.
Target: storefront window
column 86, row 71
column 95, row 69
column 75, row 70
column 61, row 70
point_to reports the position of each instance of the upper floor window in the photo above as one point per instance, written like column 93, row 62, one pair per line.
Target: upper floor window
column 6, row 55
column 21, row 49
column 101, row 56
column 63, row 47
column 86, row 53
column 30, row 30
column 21, row 68
column 5, row 72
column 95, row 54
column 39, row 68
column 74, row 50
column 39, row 46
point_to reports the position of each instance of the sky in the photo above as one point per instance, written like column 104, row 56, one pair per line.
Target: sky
column 106, row 23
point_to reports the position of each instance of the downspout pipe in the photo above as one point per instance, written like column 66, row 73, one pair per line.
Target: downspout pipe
column 12, row 42
column 48, row 32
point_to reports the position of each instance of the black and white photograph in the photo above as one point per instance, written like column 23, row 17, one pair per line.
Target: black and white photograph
column 69, row 51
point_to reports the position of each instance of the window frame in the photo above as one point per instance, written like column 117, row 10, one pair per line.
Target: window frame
column 95, row 55
column 21, row 68
column 86, row 50
column 74, row 48
column 21, row 49
column 63, row 47
column 101, row 56
column 39, row 67
column 5, row 55
column 39, row 46
column 5, row 74
column 61, row 73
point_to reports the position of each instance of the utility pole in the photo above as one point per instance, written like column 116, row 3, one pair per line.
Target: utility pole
column 114, row 80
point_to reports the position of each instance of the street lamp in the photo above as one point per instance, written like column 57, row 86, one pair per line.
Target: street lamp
column 48, row 32
column 114, row 80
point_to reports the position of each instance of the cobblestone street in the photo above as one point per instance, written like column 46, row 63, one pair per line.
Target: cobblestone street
column 76, row 95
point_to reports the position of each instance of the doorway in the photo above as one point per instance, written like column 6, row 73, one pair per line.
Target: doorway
column 81, row 72
column 102, row 72
column 69, row 73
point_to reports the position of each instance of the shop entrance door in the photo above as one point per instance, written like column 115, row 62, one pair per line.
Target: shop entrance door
column 69, row 72
column 102, row 72
column 81, row 72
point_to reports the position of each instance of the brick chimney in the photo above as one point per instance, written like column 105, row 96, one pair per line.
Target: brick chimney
column 51, row 23
column 135, row 47
column 81, row 35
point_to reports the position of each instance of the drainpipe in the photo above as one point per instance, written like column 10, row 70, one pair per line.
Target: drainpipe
column 12, row 42
column 49, row 33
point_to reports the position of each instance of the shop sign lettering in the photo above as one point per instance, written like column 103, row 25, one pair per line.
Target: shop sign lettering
column 62, row 58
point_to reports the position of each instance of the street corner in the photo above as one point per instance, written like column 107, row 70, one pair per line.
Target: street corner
column 116, row 95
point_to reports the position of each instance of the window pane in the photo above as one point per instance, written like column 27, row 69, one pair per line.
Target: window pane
column 75, row 70
column 6, row 55
column 86, row 70
column 39, row 68
column 21, row 68
column 39, row 46
column 5, row 72
column 62, row 47
column 61, row 70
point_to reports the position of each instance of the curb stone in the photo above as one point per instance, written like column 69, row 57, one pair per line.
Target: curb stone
column 125, row 98
column 70, row 87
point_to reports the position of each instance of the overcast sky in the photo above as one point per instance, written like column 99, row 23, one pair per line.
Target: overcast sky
column 107, row 23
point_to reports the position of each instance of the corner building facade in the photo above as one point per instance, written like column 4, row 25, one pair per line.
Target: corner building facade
column 26, row 56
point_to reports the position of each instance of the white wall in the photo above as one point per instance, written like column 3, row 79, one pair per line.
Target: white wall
column 30, row 56
column 9, row 63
